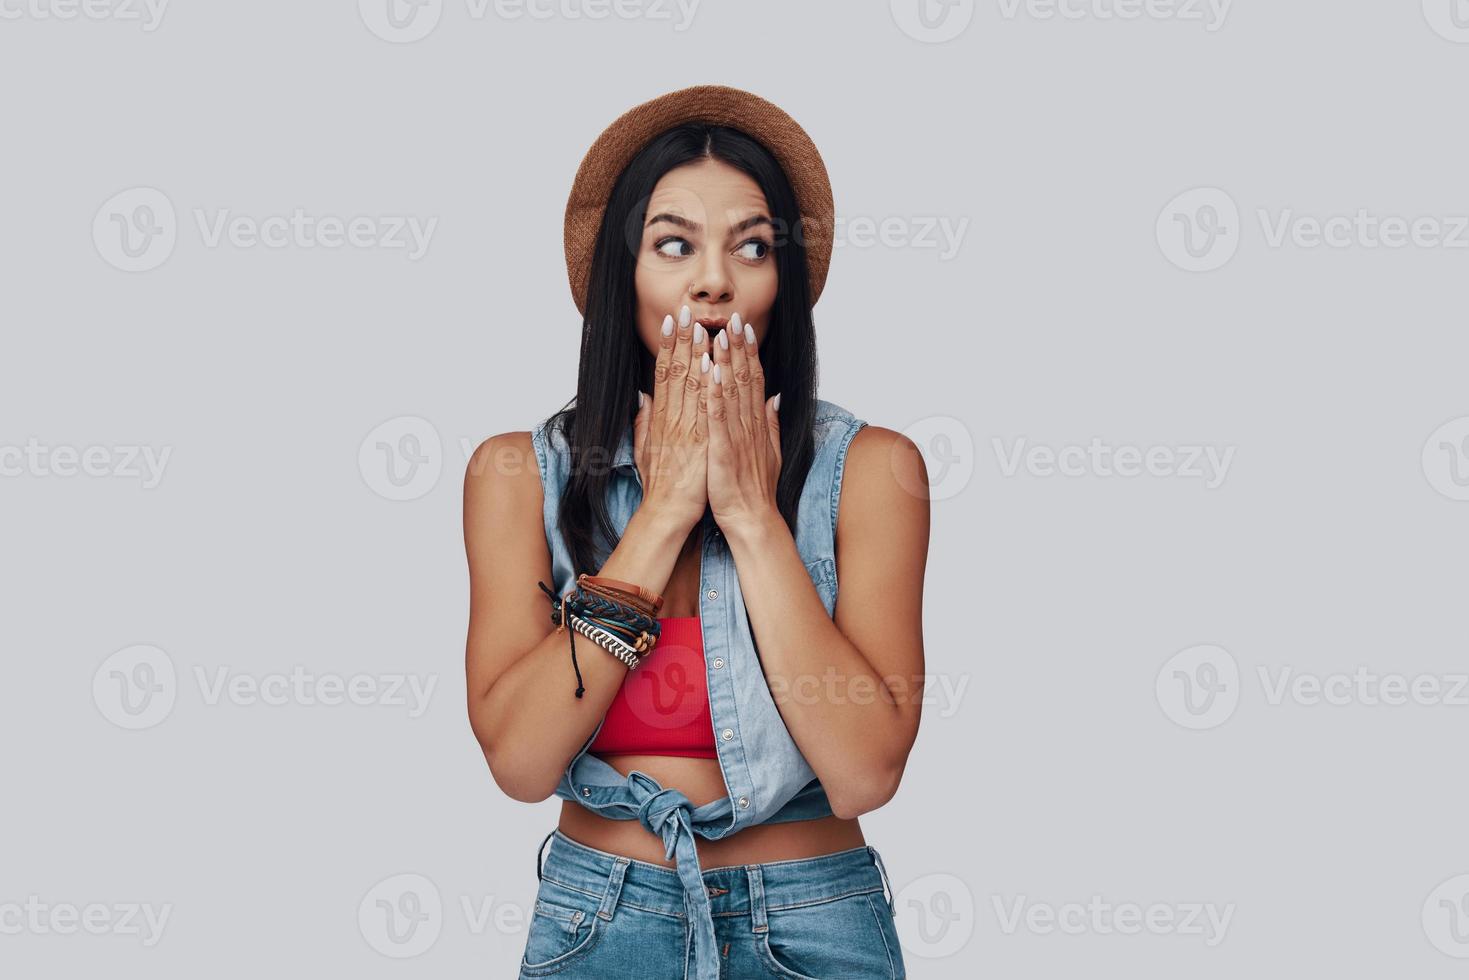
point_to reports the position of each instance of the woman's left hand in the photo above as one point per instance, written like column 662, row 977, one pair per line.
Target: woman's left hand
column 744, row 432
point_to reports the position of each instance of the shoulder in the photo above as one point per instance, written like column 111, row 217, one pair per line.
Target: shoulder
column 885, row 482
column 873, row 450
column 503, row 466
column 888, row 462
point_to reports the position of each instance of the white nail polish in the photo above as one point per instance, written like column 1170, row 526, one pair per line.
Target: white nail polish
column 724, row 339
column 698, row 333
column 716, row 371
column 704, row 364
column 668, row 325
column 684, row 316
column 749, row 335
column 735, row 322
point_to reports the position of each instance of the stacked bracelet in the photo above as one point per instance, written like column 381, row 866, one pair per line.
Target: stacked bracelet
column 618, row 616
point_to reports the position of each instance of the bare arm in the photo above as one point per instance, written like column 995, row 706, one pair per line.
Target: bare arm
column 849, row 688
column 521, row 687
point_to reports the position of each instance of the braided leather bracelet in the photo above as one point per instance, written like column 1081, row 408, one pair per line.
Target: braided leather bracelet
column 612, row 613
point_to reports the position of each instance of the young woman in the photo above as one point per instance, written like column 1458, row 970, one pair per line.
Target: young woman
column 711, row 781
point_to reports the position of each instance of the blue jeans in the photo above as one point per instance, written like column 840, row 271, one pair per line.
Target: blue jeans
column 599, row 914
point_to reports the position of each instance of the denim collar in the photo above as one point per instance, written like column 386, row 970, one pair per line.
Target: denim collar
column 623, row 455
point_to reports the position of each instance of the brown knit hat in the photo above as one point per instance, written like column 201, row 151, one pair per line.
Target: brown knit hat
column 719, row 105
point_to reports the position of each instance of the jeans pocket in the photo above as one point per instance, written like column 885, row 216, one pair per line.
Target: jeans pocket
column 845, row 937
column 563, row 929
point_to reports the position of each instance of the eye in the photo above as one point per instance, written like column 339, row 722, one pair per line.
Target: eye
column 761, row 245
column 661, row 247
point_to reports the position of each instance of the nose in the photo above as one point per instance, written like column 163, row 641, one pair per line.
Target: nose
column 711, row 283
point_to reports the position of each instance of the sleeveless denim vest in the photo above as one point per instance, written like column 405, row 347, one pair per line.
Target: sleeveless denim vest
column 768, row 779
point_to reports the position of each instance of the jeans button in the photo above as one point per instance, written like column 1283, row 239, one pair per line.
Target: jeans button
column 718, row 662
column 744, row 802
column 727, row 734
column 713, row 593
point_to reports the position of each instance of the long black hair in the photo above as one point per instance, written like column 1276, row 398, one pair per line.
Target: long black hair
column 614, row 363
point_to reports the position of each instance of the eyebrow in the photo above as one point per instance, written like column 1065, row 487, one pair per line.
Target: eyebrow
column 682, row 222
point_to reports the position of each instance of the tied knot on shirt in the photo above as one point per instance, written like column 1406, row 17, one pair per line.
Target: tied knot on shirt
column 664, row 812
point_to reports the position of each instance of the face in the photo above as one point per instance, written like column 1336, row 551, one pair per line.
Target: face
column 708, row 243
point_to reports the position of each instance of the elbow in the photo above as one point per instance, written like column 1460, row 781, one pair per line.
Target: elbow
column 517, row 781
column 512, row 767
column 864, row 793
column 511, row 770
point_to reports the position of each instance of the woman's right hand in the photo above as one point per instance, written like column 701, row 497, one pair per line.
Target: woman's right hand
column 671, row 431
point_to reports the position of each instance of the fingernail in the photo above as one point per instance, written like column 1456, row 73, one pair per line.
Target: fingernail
column 716, row 372
column 684, row 316
column 698, row 333
column 777, row 403
column 640, row 399
column 668, row 325
column 749, row 335
column 734, row 322
column 704, row 364
column 724, row 339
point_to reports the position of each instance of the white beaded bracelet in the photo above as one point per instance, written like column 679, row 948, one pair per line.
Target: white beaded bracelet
column 607, row 641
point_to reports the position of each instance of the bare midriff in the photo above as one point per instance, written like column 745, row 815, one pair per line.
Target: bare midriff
column 701, row 781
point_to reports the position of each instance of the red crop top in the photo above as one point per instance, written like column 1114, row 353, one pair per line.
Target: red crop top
column 662, row 707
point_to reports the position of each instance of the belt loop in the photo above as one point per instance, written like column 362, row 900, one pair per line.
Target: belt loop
column 539, row 850
column 888, row 885
column 757, row 897
column 614, row 889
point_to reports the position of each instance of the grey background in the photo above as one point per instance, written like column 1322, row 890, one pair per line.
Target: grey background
column 1057, row 600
